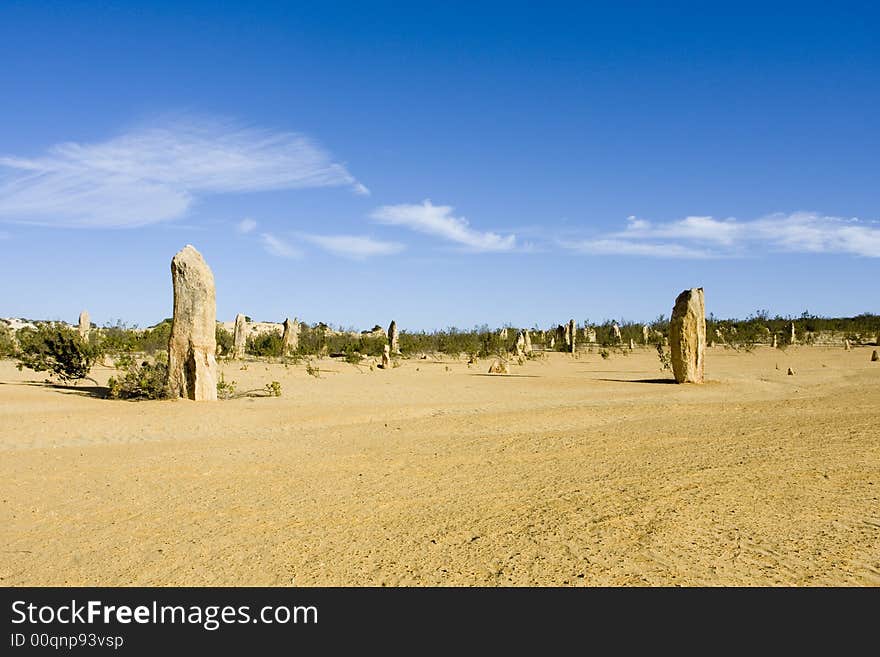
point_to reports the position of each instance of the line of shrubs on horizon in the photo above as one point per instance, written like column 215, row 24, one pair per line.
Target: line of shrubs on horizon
column 319, row 339
column 141, row 355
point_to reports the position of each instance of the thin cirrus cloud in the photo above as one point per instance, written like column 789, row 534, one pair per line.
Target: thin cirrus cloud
column 354, row 246
column 156, row 172
column 438, row 221
column 707, row 237
column 278, row 247
column 246, row 226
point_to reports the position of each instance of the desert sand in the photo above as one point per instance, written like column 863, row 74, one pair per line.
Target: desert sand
column 566, row 472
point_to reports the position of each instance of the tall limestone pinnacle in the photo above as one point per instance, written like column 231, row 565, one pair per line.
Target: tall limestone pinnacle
column 239, row 336
column 192, row 366
column 84, row 325
column 687, row 336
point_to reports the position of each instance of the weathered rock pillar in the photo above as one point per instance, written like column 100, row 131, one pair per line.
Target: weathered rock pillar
column 192, row 367
column 687, row 336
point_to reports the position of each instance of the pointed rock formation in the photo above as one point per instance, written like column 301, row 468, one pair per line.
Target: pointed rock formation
column 290, row 337
column 239, row 337
column 85, row 325
column 386, row 357
column 192, row 367
column 527, row 348
column 393, row 337
column 572, row 332
column 632, row 344
column 498, row 367
column 792, row 338
column 687, row 336
column 520, row 344
column 615, row 329
column 646, row 334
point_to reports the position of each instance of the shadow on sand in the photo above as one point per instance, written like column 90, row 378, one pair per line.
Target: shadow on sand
column 95, row 391
column 508, row 376
column 638, row 380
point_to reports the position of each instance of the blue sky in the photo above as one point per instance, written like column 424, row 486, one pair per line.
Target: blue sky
column 448, row 164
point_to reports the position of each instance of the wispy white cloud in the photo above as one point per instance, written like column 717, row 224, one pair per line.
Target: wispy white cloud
column 278, row 247
column 813, row 233
column 634, row 248
column 700, row 229
column 354, row 246
column 155, row 172
column 707, row 237
column 246, row 226
column 360, row 189
column 438, row 220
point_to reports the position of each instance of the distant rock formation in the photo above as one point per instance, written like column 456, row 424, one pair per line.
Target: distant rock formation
column 192, row 366
column 290, row 336
column 646, row 334
column 85, row 325
column 239, row 336
column 520, row 344
column 498, row 367
column 615, row 330
column 571, row 329
column 386, row 357
column 527, row 347
column 393, row 337
column 792, row 337
column 687, row 336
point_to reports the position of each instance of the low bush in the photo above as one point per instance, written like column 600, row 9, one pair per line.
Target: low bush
column 225, row 389
column 7, row 342
column 265, row 344
column 57, row 348
column 141, row 381
column 225, row 340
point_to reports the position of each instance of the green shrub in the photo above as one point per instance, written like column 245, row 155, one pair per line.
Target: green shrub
column 144, row 381
column 264, row 344
column 155, row 339
column 481, row 341
column 225, row 340
column 665, row 358
column 225, row 390
column 57, row 348
column 7, row 342
column 119, row 339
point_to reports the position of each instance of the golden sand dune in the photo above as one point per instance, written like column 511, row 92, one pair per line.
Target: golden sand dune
column 567, row 472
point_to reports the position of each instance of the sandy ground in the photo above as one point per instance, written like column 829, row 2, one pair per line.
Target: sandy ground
column 568, row 472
